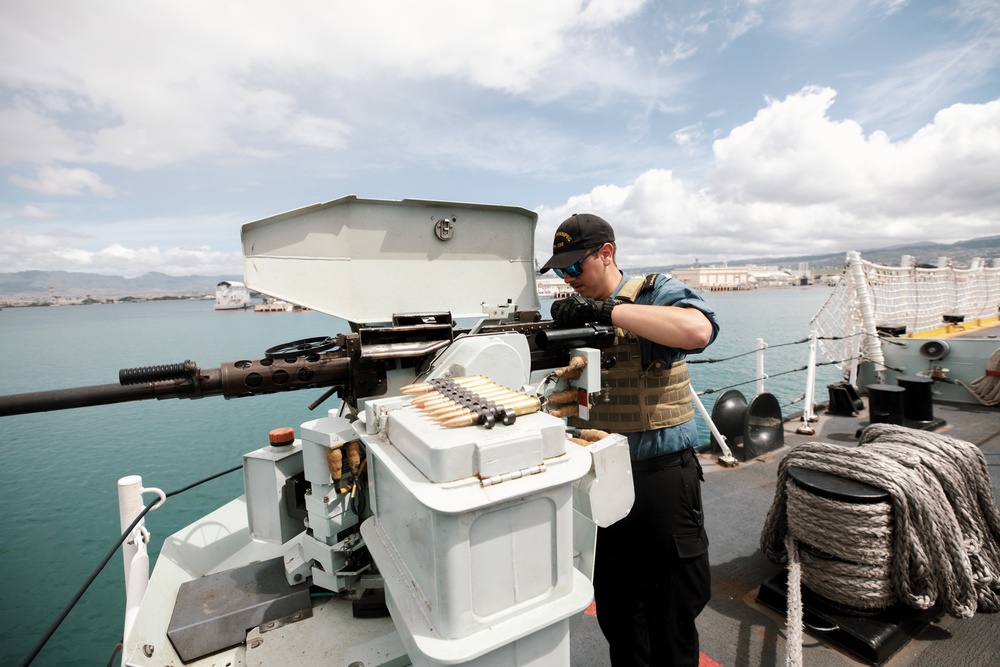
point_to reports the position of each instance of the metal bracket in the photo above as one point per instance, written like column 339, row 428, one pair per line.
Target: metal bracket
column 444, row 228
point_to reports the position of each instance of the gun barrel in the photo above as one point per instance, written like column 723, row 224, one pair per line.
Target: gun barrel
column 232, row 380
column 75, row 397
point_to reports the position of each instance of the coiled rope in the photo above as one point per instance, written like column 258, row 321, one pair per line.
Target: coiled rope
column 938, row 538
column 986, row 389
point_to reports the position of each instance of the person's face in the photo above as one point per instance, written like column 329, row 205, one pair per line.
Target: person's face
column 592, row 280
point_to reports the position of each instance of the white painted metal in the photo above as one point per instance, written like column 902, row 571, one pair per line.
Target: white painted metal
column 504, row 358
column 605, row 494
column 761, row 346
column 474, row 529
column 809, row 410
column 134, row 556
column 855, row 360
column 476, row 574
column 727, row 454
column 265, row 471
column 590, row 379
column 364, row 260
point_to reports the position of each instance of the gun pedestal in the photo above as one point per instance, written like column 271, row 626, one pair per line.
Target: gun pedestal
column 473, row 534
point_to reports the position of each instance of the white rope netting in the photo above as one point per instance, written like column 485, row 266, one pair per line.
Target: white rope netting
column 870, row 295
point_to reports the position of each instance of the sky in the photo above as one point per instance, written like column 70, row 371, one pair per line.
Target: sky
column 140, row 136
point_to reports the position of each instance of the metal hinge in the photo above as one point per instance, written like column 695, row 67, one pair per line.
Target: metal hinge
column 517, row 474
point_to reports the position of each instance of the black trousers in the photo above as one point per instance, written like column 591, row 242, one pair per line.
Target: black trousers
column 651, row 570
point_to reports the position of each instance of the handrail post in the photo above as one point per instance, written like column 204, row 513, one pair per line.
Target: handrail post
column 855, row 359
column 761, row 346
column 134, row 556
column 808, row 410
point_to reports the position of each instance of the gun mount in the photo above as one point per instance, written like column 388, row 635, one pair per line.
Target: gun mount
column 445, row 484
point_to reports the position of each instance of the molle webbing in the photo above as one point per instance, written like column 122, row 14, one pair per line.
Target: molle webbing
column 641, row 400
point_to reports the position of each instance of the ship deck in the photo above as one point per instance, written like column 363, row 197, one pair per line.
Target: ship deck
column 984, row 327
column 738, row 631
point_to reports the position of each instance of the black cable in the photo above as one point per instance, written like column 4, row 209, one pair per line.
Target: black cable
column 715, row 360
column 202, row 481
column 119, row 647
column 772, row 376
column 83, row 589
column 794, row 401
column 93, row 575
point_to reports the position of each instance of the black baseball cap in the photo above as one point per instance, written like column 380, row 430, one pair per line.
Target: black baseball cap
column 576, row 235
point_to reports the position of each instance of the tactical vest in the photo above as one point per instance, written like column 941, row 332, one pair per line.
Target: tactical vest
column 641, row 399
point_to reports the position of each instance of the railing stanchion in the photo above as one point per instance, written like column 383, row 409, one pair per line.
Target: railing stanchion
column 761, row 346
column 808, row 410
column 134, row 554
column 855, row 359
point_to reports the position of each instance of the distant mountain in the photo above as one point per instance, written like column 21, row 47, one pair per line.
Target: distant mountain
column 960, row 253
column 69, row 284
column 75, row 284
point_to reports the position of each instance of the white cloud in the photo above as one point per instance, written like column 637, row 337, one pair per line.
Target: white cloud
column 794, row 153
column 155, row 84
column 172, row 261
column 890, row 7
column 791, row 151
column 743, row 23
column 931, row 79
column 28, row 136
column 31, row 212
column 173, row 107
column 62, row 181
column 55, row 252
column 793, row 181
column 321, row 132
column 601, row 12
column 818, row 20
column 688, row 136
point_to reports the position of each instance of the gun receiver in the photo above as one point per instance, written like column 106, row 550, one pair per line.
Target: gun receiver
column 591, row 335
column 353, row 365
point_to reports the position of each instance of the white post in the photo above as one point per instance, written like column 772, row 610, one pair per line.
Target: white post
column 855, row 359
column 808, row 411
column 761, row 346
column 134, row 555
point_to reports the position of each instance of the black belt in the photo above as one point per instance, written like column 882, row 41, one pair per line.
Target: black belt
column 663, row 461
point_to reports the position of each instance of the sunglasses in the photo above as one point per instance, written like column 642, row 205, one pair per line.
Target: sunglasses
column 576, row 268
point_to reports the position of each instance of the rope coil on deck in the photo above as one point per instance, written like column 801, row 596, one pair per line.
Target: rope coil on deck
column 858, row 575
column 986, row 389
column 938, row 539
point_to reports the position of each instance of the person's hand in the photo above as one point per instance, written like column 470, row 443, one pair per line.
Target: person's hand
column 575, row 311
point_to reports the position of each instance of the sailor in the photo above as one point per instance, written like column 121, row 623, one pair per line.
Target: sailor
column 651, row 575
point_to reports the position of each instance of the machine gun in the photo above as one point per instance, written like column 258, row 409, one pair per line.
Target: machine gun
column 352, row 365
column 479, row 543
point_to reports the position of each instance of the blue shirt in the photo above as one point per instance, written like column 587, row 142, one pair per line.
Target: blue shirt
column 667, row 292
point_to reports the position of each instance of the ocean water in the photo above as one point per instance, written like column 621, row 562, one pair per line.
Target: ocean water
column 58, row 497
